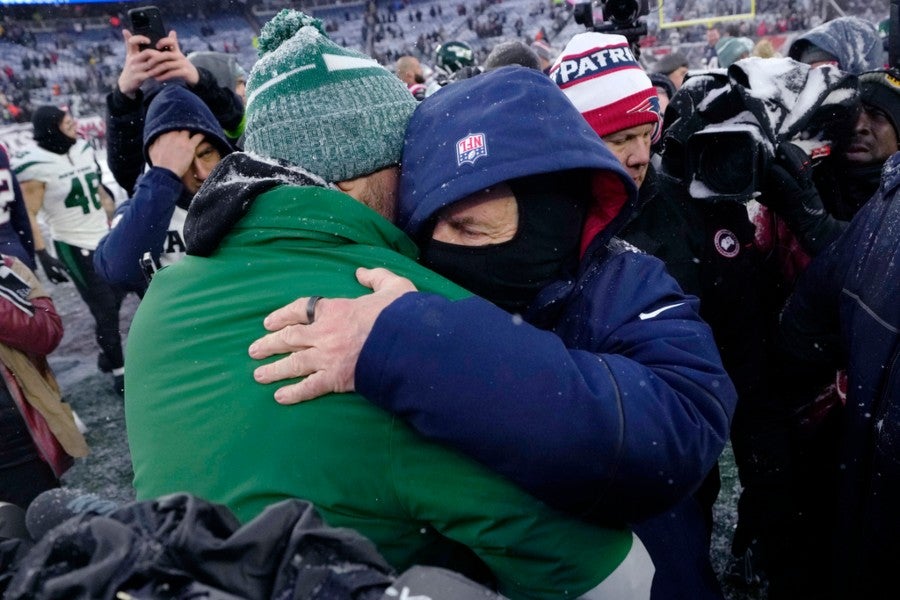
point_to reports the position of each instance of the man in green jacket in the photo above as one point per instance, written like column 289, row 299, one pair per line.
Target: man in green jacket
column 309, row 203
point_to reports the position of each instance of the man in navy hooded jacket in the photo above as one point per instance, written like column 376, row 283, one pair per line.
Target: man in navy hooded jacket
column 608, row 401
column 844, row 313
column 182, row 143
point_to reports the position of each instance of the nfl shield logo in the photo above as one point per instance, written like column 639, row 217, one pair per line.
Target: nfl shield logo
column 470, row 148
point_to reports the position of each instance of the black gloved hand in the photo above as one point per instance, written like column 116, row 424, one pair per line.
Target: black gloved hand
column 791, row 192
column 53, row 268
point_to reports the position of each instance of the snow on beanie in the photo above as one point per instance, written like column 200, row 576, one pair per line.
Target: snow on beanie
column 881, row 89
column 599, row 74
column 333, row 111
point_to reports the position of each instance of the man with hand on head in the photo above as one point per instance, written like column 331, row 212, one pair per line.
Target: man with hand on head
column 144, row 73
column 311, row 200
column 183, row 142
column 600, row 390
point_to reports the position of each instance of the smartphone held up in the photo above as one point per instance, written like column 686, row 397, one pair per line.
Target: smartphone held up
column 147, row 21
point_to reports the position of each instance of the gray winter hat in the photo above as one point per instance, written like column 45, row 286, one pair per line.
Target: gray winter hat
column 223, row 67
column 854, row 42
column 333, row 111
column 512, row 53
column 670, row 62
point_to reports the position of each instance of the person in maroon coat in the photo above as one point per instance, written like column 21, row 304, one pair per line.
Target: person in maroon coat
column 38, row 435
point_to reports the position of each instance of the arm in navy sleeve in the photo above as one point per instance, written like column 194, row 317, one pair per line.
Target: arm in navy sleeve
column 140, row 225
column 621, row 424
column 18, row 218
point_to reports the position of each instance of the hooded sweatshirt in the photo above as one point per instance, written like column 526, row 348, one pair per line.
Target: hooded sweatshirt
column 854, row 42
column 152, row 220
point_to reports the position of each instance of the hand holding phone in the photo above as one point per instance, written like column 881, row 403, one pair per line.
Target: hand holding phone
column 147, row 21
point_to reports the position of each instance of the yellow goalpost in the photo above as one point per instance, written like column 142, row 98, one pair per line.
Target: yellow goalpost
column 665, row 23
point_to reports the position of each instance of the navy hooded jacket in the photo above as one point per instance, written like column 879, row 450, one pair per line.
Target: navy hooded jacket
column 151, row 220
column 609, row 401
column 614, row 409
column 844, row 313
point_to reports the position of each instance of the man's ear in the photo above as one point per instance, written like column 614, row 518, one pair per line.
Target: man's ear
column 353, row 187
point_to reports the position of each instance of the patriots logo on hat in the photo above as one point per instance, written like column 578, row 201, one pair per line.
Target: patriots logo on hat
column 471, row 148
column 650, row 104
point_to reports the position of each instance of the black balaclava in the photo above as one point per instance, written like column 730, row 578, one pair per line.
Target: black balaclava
column 47, row 135
column 544, row 249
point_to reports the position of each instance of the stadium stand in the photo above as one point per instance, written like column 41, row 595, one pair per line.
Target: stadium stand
column 71, row 54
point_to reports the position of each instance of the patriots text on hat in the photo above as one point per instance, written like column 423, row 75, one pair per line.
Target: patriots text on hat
column 600, row 76
column 592, row 64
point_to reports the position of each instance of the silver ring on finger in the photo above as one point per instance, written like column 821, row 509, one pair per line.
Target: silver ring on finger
column 311, row 309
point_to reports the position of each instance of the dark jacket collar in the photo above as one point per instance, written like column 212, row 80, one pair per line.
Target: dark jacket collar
column 228, row 193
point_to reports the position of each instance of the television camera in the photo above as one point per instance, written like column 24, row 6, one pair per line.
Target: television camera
column 619, row 16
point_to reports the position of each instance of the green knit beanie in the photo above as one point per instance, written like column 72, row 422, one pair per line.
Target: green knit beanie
column 333, row 111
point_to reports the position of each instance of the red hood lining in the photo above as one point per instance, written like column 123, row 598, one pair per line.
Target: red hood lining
column 610, row 195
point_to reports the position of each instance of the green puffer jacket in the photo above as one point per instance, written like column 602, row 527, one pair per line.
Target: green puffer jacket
column 198, row 423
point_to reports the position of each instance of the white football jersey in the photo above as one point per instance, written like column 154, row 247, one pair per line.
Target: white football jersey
column 72, row 205
column 7, row 195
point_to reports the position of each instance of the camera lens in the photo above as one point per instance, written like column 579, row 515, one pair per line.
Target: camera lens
column 726, row 165
column 621, row 11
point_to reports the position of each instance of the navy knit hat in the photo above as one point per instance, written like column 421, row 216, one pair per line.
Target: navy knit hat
column 333, row 111
column 176, row 108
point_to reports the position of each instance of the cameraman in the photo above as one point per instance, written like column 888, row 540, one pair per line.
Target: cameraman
column 818, row 202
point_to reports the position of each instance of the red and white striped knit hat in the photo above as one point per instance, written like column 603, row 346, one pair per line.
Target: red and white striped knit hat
column 599, row 74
